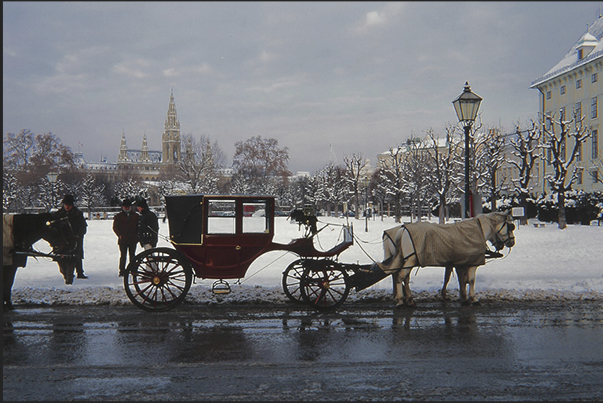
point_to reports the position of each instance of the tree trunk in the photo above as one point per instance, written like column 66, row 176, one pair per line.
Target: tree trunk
column 561, row 206
column 442, row 210
column 523, row 202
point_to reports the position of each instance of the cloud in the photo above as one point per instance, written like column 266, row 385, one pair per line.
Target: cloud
column 387, row 15
column 134, row 68
column 200, row 69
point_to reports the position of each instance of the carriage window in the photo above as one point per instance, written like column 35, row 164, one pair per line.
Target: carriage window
column 254, row 217
column 221, row 217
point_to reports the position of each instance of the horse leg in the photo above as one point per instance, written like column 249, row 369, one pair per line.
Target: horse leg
column 447, row 274
column 462, row 274
column 8, row 279
column 408, row 299
column 397, row 281
column 471, row 273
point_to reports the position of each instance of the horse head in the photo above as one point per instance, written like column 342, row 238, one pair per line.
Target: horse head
column 503, row 231
column 309, row 220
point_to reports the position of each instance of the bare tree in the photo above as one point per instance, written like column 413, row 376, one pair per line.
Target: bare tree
column 525, row 145
column 445, row 175
column 416, row 172
column 259, row 161
column 197, row 166
column 355, row 167
column 391, row 179
column 557, row 144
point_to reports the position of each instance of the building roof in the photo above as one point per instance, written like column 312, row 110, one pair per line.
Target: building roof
column 591, row 42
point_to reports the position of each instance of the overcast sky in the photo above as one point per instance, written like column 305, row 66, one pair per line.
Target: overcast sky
column 325, row 79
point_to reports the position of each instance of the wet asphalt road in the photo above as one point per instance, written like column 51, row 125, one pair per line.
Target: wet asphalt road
column 371, row 351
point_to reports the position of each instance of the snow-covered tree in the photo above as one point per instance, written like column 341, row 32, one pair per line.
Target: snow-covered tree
column 391, row 179
column 525, row 146
column 445, row 174
column 198, row 164
column 563, row 141
column 355, row 167
column 91, row 194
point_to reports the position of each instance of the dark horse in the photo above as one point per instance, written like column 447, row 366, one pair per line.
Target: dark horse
column 20, row 232
column 306, row 218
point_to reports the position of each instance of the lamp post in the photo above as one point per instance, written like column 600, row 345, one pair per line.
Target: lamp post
column 365, row 182
column 466, row 106
column 52, row 178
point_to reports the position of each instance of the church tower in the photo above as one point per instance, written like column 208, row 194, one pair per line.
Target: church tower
column 123, row 149
column 170, row 142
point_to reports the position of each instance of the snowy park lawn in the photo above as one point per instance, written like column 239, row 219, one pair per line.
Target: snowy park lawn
column 546, row 263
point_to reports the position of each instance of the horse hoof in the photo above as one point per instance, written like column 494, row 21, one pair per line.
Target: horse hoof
column 69, row 280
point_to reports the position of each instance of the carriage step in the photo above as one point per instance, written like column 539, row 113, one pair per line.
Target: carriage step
column 220, row 287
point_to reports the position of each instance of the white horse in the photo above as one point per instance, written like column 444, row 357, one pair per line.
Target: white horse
column 460, row 245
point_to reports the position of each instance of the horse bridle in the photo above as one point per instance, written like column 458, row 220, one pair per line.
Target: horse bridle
column 510, row 228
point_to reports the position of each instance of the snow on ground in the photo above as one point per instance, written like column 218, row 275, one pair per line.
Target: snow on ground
column 546, row 263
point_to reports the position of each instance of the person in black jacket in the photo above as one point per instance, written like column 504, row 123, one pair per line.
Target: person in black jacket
column 125, row 226
column 79, row 227
column 148, row 225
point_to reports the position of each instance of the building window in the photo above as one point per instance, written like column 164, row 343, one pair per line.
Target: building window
column 594, row 78
column 580, row 54
column 595, row 142
column 579, row 152
column 593, row 108
column 548, row 95
column 578, row 111
column 579, row 179
column 562, row 89
column 594, row 176
column 578, row 84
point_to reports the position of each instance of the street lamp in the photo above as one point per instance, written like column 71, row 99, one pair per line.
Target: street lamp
column 366, row 182
column 466, row 106
column 52, row 178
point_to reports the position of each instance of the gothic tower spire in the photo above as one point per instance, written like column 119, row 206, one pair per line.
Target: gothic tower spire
column 123, row 149
column 170, row 142
column 144, row 151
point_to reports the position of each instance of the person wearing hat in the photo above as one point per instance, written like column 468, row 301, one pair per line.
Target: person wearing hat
column 125, row 226
column 79, row 226
column 148, row 225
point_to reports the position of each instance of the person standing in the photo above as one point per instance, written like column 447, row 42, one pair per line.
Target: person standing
column 79, row 226
column 148, row 225
column 125, row 226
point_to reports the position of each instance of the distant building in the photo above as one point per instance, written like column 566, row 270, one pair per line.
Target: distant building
column 142, row 164
column 576, row 84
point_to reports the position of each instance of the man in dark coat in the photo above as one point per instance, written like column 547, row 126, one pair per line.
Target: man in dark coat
column 148, row 225
column 79, row 226
column 125, row 226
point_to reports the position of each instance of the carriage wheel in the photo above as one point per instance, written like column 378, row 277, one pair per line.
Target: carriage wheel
column 158, row 279
column 292, row 280
column 324, row 284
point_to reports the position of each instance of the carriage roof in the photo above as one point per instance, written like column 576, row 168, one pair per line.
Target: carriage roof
column 188, row 214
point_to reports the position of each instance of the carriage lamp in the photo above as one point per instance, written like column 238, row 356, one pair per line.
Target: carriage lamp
column 466, row 106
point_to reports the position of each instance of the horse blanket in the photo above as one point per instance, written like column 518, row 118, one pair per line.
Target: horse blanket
column 458, row 244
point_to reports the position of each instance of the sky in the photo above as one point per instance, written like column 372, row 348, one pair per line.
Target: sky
column 545, row 264
column 325, row 79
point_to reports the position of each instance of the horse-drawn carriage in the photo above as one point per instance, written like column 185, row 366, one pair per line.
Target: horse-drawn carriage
column 219, row 237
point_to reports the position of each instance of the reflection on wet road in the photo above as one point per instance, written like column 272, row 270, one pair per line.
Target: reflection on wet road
column 508, row 351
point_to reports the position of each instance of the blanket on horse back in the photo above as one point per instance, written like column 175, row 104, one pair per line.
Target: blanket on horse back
column 459, row 244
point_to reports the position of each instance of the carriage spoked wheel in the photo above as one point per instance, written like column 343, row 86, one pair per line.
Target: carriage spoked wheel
column 292, row 280
column 158, row 279
column 324, row 284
